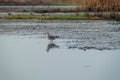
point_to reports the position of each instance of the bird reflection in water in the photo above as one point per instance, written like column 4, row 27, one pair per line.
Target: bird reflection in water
column 51, row 45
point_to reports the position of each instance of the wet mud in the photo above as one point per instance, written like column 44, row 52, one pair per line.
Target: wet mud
column 82, row 34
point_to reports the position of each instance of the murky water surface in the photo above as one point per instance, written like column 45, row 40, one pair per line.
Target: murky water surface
column 85, row 50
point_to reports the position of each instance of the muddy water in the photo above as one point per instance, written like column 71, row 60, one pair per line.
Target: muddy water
column 85, row 50
column 100, row 35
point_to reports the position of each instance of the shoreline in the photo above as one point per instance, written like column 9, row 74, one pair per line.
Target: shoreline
column 94, row 34
column 57, row 20
column 66, row 17
column 45, row 21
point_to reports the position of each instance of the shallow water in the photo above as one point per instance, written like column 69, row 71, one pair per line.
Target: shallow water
column 80, row 34
column 26, row 53
column 27, row 58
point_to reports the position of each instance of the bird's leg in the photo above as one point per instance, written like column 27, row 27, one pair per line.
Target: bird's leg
column 51, row 41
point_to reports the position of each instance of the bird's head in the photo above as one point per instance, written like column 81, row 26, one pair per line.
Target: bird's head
column 47, row 33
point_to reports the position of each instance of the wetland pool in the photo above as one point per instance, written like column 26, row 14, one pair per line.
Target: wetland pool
column 85, row 50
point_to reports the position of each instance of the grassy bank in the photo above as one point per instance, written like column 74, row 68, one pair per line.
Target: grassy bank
column 67, row 17
column 54, row 17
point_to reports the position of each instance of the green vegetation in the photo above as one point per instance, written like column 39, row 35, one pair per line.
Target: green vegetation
column 47, row 17
column 66, row 17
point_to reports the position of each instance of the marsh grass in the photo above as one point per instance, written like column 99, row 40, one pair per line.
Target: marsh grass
column 64, row 17
column 50, row 17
